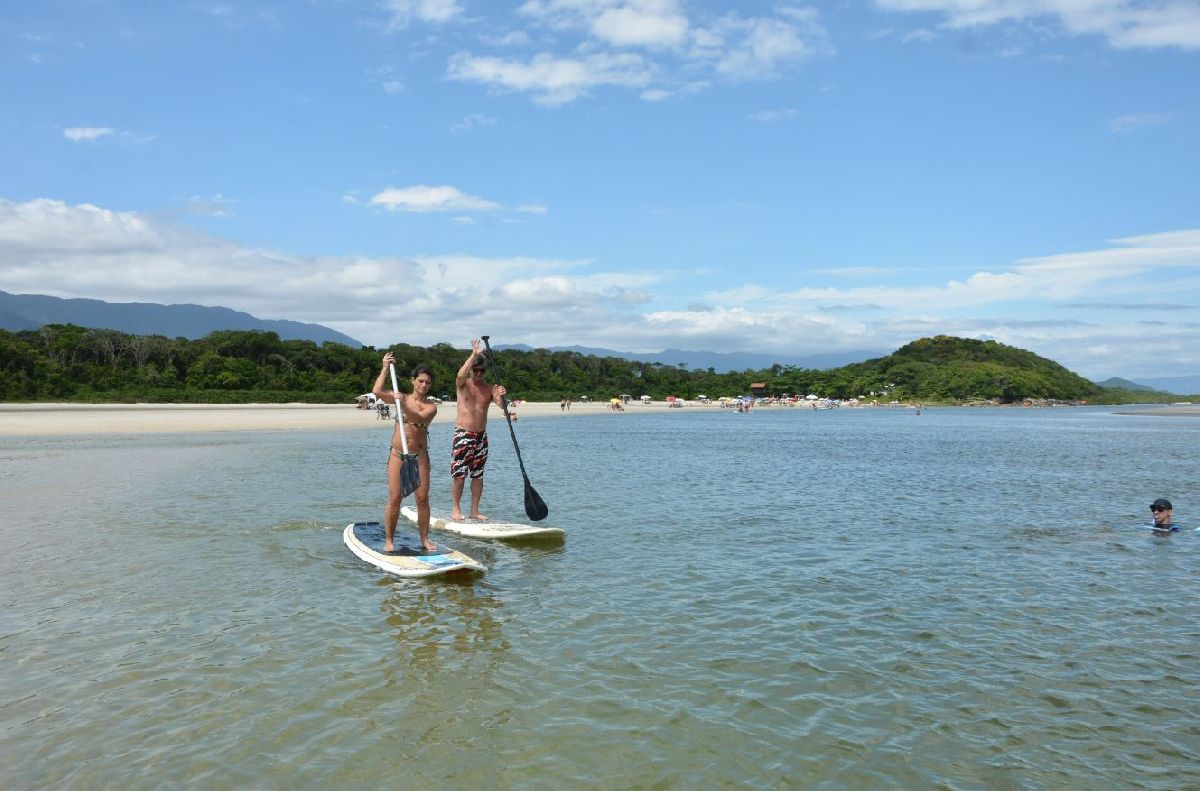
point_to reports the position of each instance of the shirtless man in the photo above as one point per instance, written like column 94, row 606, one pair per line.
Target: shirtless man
column 470, row 448
column 415, row 415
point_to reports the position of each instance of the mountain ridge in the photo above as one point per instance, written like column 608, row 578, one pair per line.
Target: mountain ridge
column 1173, row 385
column 31, row 311
column 720, row 362
column 1125, row 384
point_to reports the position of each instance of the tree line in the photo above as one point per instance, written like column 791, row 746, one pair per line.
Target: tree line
column 65, row 362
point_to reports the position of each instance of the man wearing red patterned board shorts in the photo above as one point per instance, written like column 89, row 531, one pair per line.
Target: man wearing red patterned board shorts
column 470, row 449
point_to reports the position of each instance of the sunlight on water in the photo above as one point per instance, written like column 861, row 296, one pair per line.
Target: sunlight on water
column 785, row 599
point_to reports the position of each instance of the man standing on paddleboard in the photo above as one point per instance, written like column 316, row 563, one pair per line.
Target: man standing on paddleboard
column 470, row 449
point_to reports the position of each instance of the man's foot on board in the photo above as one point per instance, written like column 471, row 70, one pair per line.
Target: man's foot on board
column 478, row 517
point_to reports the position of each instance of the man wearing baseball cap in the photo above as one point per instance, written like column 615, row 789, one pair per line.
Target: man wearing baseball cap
column 1161, row 508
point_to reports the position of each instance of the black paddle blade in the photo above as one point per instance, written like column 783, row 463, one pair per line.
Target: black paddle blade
column 535, row 509
column 410, row 474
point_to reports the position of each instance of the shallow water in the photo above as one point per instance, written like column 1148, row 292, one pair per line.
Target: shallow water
column 784, row 599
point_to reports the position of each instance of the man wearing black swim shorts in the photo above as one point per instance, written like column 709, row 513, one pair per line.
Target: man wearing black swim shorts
column 469, row 452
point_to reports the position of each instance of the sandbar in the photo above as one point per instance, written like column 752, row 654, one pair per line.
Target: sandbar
column 79, row 419
column 1163, row 410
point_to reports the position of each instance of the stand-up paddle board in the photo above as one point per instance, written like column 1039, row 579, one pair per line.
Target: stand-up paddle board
column 475, row 529
column 365, row 539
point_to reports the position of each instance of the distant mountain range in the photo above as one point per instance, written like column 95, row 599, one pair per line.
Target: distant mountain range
column 1125, row 384
column 1176, row 385
column 31, row 311
column 721, row 362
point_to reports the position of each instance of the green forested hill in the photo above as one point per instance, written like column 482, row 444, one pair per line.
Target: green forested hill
column 63, row 362
column 944, row 368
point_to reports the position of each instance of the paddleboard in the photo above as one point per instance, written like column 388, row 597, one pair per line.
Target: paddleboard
column 489, row 529
column 365, row 539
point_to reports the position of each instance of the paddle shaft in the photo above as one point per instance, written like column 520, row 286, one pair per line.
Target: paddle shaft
column 535, row 507
column 397, row 395
column 504, row 406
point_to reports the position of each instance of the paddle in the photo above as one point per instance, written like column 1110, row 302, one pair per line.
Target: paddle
column 535, row 509
column 410, row 469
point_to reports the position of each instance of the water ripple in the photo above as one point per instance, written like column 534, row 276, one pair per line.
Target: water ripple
column 820, row 600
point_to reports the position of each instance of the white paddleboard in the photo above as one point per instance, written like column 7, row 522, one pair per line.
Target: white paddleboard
column 365, row 539
column 489, row 529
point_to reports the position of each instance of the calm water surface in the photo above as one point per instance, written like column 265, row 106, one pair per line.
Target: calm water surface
column 869, row 599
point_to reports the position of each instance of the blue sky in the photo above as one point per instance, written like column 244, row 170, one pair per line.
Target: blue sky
column 631, row 174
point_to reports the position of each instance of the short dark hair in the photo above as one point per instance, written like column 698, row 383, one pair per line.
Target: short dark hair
column 421, row 369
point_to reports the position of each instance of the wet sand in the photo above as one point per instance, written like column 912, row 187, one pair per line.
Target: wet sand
column 67, row 419
column 1162, row 410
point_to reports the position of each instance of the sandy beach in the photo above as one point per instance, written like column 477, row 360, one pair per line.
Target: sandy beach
column 70, row 419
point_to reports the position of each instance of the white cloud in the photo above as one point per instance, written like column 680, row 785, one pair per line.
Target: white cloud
column 90, row 134
column 1124, row 23
column 512, row 38
column 401, row 13
column 774, row 116
column 138, row 138
column 919, row 34
column 1134, row 121
column 673, row 50
column 215, row 206
column 472, row 122
column 228, row 14
column 760, row 46
column 50, row 247
column 423, row 198
column 1119, row 270
column 553, row 81
column 644, row 23
column 87, row 134
column 623, row 23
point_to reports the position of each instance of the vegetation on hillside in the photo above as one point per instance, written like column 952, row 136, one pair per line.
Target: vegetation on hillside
column 64, row 362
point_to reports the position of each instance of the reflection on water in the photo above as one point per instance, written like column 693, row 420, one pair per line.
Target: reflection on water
column 835, row 599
